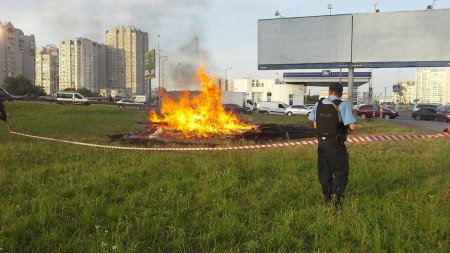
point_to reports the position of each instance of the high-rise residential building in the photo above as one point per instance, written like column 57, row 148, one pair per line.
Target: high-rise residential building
column 83, row 64
column 134, row 42
column 433, row 86
column 47, row 68
column 17, row 53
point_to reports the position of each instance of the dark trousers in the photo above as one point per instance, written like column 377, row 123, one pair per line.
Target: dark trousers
column 333, row 166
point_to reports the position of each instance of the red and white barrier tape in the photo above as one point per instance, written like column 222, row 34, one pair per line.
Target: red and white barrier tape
column 259, row 146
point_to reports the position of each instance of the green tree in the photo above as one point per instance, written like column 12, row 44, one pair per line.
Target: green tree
column 311, row 99
column 20, row 85
column 86, row 92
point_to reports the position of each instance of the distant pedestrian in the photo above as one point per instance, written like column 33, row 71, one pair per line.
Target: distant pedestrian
column 381, row 112
column 374, row 110
column 110, row 99
column 333, row 118
column 3, row 116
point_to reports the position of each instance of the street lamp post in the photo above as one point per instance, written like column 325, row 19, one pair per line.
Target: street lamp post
column 159, row 65
column 226, row 82
column 164, row 59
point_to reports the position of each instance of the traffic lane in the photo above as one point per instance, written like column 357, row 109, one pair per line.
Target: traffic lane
column 428, row 127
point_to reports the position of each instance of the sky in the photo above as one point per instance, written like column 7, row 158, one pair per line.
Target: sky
column 226, row 30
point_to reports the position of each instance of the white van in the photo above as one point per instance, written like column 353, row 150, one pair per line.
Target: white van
column 71, row 98
column 270, row 107
column 140, row 99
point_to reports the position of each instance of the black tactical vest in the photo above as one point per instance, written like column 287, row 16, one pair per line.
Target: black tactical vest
column 327, row 120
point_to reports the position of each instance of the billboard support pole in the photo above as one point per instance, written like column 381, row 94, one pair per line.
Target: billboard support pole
column 149, row 86
column 350, row 86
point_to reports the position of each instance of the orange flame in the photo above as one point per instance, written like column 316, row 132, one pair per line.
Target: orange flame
column 203, row 115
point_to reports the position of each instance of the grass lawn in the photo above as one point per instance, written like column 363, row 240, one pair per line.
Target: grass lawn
column 62, row 198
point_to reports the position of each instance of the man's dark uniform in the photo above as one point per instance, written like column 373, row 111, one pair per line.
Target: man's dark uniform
column 2, row 112
column 332, row 153
column 4, row 95
column 332, row 116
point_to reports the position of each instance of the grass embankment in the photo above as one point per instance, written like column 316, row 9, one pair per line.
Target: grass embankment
column 61, row 198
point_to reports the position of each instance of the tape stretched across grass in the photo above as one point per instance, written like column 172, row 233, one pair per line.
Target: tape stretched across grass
column 247, row 147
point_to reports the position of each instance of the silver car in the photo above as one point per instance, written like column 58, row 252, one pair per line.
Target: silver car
column 297, row 110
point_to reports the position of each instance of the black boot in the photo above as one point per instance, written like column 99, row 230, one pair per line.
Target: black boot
column 327, row 198
column 336, row 201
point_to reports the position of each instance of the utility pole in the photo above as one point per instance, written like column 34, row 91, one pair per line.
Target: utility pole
column 370, row 87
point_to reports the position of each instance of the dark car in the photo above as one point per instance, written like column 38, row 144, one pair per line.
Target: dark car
column 424, row 114
column 29, row 97
column 4, row 95
column 443, row 114
column 236, row 109
column 366, row 111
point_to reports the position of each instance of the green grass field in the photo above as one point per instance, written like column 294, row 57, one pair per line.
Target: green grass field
column 62, row 198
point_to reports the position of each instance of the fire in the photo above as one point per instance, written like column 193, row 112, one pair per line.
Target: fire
column 203, row 115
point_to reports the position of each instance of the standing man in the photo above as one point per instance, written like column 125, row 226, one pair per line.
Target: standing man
column 3, row 116
column 4, row 95
column 381, row 111
column 374, row 110
column 332, row 118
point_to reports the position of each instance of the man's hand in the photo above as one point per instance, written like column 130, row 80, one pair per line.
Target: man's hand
column 352, row 127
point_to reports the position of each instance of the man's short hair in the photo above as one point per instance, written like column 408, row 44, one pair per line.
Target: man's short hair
column 336, row 87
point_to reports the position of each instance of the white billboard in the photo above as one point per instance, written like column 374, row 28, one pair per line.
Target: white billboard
column 402, row 36
column 396, row 39
column 305, row 40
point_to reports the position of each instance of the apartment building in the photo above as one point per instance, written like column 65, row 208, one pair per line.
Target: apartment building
column 433, row 86
column 134, row 44
column 17, row 52
column 83, row 64
column 47, row 68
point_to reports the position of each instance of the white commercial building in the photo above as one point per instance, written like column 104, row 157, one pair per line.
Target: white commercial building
column 270, row 90
column 47, row 68
column 433, row 86
column 17, row 53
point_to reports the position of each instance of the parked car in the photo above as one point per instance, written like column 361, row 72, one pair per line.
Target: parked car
column 366, row 111
column 443, row 114
column 297, row 110
column 270, row 107
column 128, row 102
column 140, row 99
column 424, row 114
column 237, row 109
column 29, row 97
column 416, row 107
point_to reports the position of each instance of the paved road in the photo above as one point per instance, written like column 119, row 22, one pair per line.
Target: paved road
column 428, row 127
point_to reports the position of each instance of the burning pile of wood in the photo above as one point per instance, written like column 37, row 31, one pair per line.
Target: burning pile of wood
column 264, row 133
